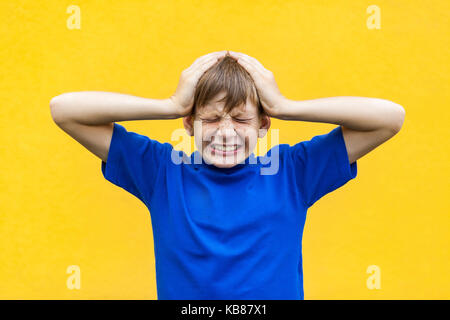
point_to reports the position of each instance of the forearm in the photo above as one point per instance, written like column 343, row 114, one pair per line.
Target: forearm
column 98, row 107
column 357, row 113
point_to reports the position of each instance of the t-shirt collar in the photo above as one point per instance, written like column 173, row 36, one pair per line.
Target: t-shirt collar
column 250, row 161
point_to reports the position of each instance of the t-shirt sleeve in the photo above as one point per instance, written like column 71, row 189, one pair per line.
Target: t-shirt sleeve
column 321, row 165
column 134, row 162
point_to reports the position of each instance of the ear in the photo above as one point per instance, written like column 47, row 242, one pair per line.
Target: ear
column 188, row 123
column 264, row 124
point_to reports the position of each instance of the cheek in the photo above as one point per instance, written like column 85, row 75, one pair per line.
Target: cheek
column 250, row 133
column 247, row 133
column 207, row 132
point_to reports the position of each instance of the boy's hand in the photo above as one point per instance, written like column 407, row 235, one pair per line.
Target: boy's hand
column 269, row 94
column 183, row 98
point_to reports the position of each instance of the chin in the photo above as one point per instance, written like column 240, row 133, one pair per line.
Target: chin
column 223, row 165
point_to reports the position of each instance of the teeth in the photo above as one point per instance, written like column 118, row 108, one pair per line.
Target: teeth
column 228, row 148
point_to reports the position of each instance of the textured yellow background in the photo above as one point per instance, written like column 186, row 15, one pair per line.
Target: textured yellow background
column 56, row 209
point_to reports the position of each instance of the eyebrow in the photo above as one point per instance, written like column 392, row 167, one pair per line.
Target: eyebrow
column 236, row 116
column 216, row 113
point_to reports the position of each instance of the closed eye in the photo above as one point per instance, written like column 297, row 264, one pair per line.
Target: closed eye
column 210, row 120
column 242, row 120
column 216, row 119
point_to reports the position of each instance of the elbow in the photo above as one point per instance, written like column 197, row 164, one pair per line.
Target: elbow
column 54, row 102
column 397, row 118
column 55, row 109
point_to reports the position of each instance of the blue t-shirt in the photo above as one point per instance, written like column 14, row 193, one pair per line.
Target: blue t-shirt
column 233, row 233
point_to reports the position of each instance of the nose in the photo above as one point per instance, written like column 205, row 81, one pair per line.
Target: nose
column 226, row 130
column 226, row 123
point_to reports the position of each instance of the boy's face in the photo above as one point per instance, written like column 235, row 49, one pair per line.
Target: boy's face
column 225, row 140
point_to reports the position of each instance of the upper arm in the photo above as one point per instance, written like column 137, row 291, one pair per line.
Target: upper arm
column 95, row 138
column 359, row 143
column 129, row 160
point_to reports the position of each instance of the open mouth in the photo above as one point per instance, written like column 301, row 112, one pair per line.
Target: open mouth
column 225, row 150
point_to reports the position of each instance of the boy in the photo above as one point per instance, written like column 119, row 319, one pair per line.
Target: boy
column 222, row 228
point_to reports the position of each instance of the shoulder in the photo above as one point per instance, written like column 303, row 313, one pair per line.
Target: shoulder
column 139, row 145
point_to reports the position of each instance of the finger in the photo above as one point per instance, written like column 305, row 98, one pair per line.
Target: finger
column 252, row 68
column 203, row 60
column 199, row 69
column 254, row 60
column 255, row 63
column 254, row 73
column 206, row 57
column 251, row 60
column 207, row 63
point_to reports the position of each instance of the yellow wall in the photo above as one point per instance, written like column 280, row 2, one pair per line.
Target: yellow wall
column 57, row 210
